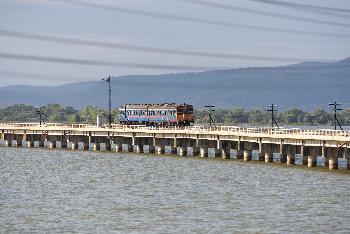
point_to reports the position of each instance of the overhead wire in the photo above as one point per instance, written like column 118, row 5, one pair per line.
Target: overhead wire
column 195, row 20
column 263, row 13
column 307, row 8
column 137, row 48
column 86, row 62
column 303, row 5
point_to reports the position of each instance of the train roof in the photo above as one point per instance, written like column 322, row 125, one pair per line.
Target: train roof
column 154, row 106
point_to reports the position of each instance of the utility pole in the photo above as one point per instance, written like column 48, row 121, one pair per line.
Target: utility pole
column 40, row 112
column 211, row 121
column 272, row 109
column 108, row 80
column 335, row 109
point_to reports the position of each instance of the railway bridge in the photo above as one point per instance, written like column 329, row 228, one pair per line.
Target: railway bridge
column 291, row 146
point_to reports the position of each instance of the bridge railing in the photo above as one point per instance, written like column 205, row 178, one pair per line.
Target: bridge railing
column 200, row 129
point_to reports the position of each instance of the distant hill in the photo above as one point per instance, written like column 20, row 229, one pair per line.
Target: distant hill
column 303, row 85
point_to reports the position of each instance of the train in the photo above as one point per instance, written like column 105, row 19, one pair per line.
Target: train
column 165, row 114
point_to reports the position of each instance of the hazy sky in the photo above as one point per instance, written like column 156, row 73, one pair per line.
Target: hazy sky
column 103, row 25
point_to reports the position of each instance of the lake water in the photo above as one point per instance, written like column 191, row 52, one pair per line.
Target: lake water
column 62, row 191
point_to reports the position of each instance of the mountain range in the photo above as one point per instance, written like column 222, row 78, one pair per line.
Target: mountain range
column 308, row 85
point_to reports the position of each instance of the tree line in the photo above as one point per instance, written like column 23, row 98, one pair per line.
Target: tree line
column 228, row 116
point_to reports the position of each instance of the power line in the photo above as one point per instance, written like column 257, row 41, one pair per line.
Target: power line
column 112, row 45
column 312, row 10
column 86, row 62
column 309, row 6
column 263, row 13
column 196, row 20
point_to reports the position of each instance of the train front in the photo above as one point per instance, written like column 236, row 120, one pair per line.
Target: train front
column 184, row 115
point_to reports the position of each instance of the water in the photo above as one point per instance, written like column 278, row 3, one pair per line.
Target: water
column 64, row 191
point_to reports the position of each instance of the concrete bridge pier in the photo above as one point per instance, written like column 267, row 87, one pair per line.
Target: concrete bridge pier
column 159, row 145
column 116, row 147
column 4, row 143
column 2, row 135
column 202, row 146
column 311, row 161
column 72, row 145
column 181, row 151
column 240, row 149
column 225, row 153
column 93, row 146
column 280, row 156
column 203, row 152
column 333, row 155
column 312, row 158
column 137, row 149
column 247, row 155
column 14, row 143
column 49, row 144
column 214, row 148
column 192, row 151
column 82, row 145
column 268, row 155
column 38, row 144
column 159, row 149
column 170, row 145
column 304, row 151
column 291, row 150
column 105, row 146
column 126, row 144
column 136, row 144
column 225, row 150
column 148, row 149
column 27, row 144
column 261, row 151
column 61, row 144
column 126, row 147
column 290, row 159
column 333, row 162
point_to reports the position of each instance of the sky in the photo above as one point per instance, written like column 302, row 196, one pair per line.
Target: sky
column 190, row 27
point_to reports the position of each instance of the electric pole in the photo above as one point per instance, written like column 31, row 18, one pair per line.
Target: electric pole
column 40, row 112
column 272, row 109
column 108, row 80
column 211, row 121
column 335, row 109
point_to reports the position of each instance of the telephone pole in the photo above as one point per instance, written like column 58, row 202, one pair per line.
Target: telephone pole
column 211, row 121
column 108, row 80
column 40, row 112
column 272, row 109
column 335, row 109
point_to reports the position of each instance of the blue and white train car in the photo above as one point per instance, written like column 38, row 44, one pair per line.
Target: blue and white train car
column 166, row 114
